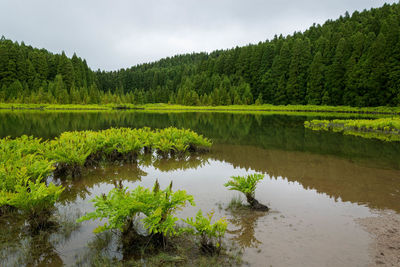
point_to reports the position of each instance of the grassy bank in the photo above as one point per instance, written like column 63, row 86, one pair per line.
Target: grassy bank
column 281, row 108
column 232, row 108
column 16, row 106
column 386, row 129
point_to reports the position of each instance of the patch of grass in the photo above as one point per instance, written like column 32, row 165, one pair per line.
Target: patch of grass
column 287, row 108
column 235, row 203
column 231, row 108
column 385, row 129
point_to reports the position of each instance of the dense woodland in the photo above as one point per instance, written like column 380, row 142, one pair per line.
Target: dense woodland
column 354, row 60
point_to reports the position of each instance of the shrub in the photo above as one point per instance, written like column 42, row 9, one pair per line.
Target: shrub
column 36, row 200
column 122, row 207
column 211, row 234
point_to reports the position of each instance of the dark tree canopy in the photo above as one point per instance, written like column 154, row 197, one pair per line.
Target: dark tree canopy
column 354, row 60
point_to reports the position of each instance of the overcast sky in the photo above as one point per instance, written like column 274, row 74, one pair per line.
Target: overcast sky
column 113, row 34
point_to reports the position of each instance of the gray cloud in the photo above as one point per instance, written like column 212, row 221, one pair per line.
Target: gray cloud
column 119, row 34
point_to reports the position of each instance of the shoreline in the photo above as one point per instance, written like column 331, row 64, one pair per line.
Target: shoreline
column 234, row 108
column 384, row 230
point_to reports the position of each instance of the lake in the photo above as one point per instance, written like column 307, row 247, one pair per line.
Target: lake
column 317, row 185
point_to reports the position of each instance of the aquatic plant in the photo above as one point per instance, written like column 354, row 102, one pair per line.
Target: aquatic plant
column 247, row 185
column 76, row 149
column 69, row 154
column 385, row 129
column 211, row 234
column 235, row 203
column 36, row 200
column 26, row 162
column 22, row 169
column 122, row 209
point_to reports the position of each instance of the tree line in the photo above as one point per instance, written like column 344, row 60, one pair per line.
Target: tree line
column 354, row 60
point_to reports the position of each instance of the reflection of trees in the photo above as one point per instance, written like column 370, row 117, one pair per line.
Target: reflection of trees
column 80, row 186
column 100, row 246
column 283, row 136
column 181, row 163
column 245, row 220
column 336, row 177
column 266, row 131
column 11, row 226
column 18, row 247
column 41, row 252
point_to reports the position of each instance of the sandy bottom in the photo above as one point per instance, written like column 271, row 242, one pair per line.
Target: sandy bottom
column 385, row 230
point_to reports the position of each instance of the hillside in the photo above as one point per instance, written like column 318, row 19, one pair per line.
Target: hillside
column 354, row 60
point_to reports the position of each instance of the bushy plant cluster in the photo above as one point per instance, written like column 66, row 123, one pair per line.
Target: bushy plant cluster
column 72, row 150
column 23, row 170
column 211, row 234
column 121, row 207
column 156, row 210
column 26, row 162
column 386, row 129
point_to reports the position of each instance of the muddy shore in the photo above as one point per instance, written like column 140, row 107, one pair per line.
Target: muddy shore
column 385, row 232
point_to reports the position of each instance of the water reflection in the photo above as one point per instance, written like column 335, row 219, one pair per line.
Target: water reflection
column 41, row 252
column 181, row 163
column 317, row 181
column 245, row 222
column 281, row 132
column 338, row 178
column 18, row 247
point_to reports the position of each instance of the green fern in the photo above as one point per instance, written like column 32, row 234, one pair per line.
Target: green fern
column 245, row 184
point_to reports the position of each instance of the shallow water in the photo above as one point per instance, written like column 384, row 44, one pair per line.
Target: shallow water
column 316, row 185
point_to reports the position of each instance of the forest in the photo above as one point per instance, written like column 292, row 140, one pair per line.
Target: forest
column 353, row 61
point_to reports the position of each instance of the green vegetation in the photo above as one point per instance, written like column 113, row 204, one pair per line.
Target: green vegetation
column 235, row 203
column 73, row 150
column 156, row 210
column 350, row 61
column 264, row 130
column 122, row 209
column 386, row 129
column 265, row 108
column 276, row 108
column 26, row 162
column 23, row 170
column 247, row 185
column 36, row 200
column 210, row 233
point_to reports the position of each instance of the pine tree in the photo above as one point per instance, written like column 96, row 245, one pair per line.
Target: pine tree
column 66, row 69
column 315, row 84
column 297, row 80
column 336, row 73
column 259, row 100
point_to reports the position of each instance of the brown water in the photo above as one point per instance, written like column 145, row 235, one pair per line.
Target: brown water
column 316, row 185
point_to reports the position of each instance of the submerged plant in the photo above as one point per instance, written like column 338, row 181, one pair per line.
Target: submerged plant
column 247, row 185
column 211, row 234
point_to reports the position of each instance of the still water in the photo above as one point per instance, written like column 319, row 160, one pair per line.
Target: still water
column 316, row 184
